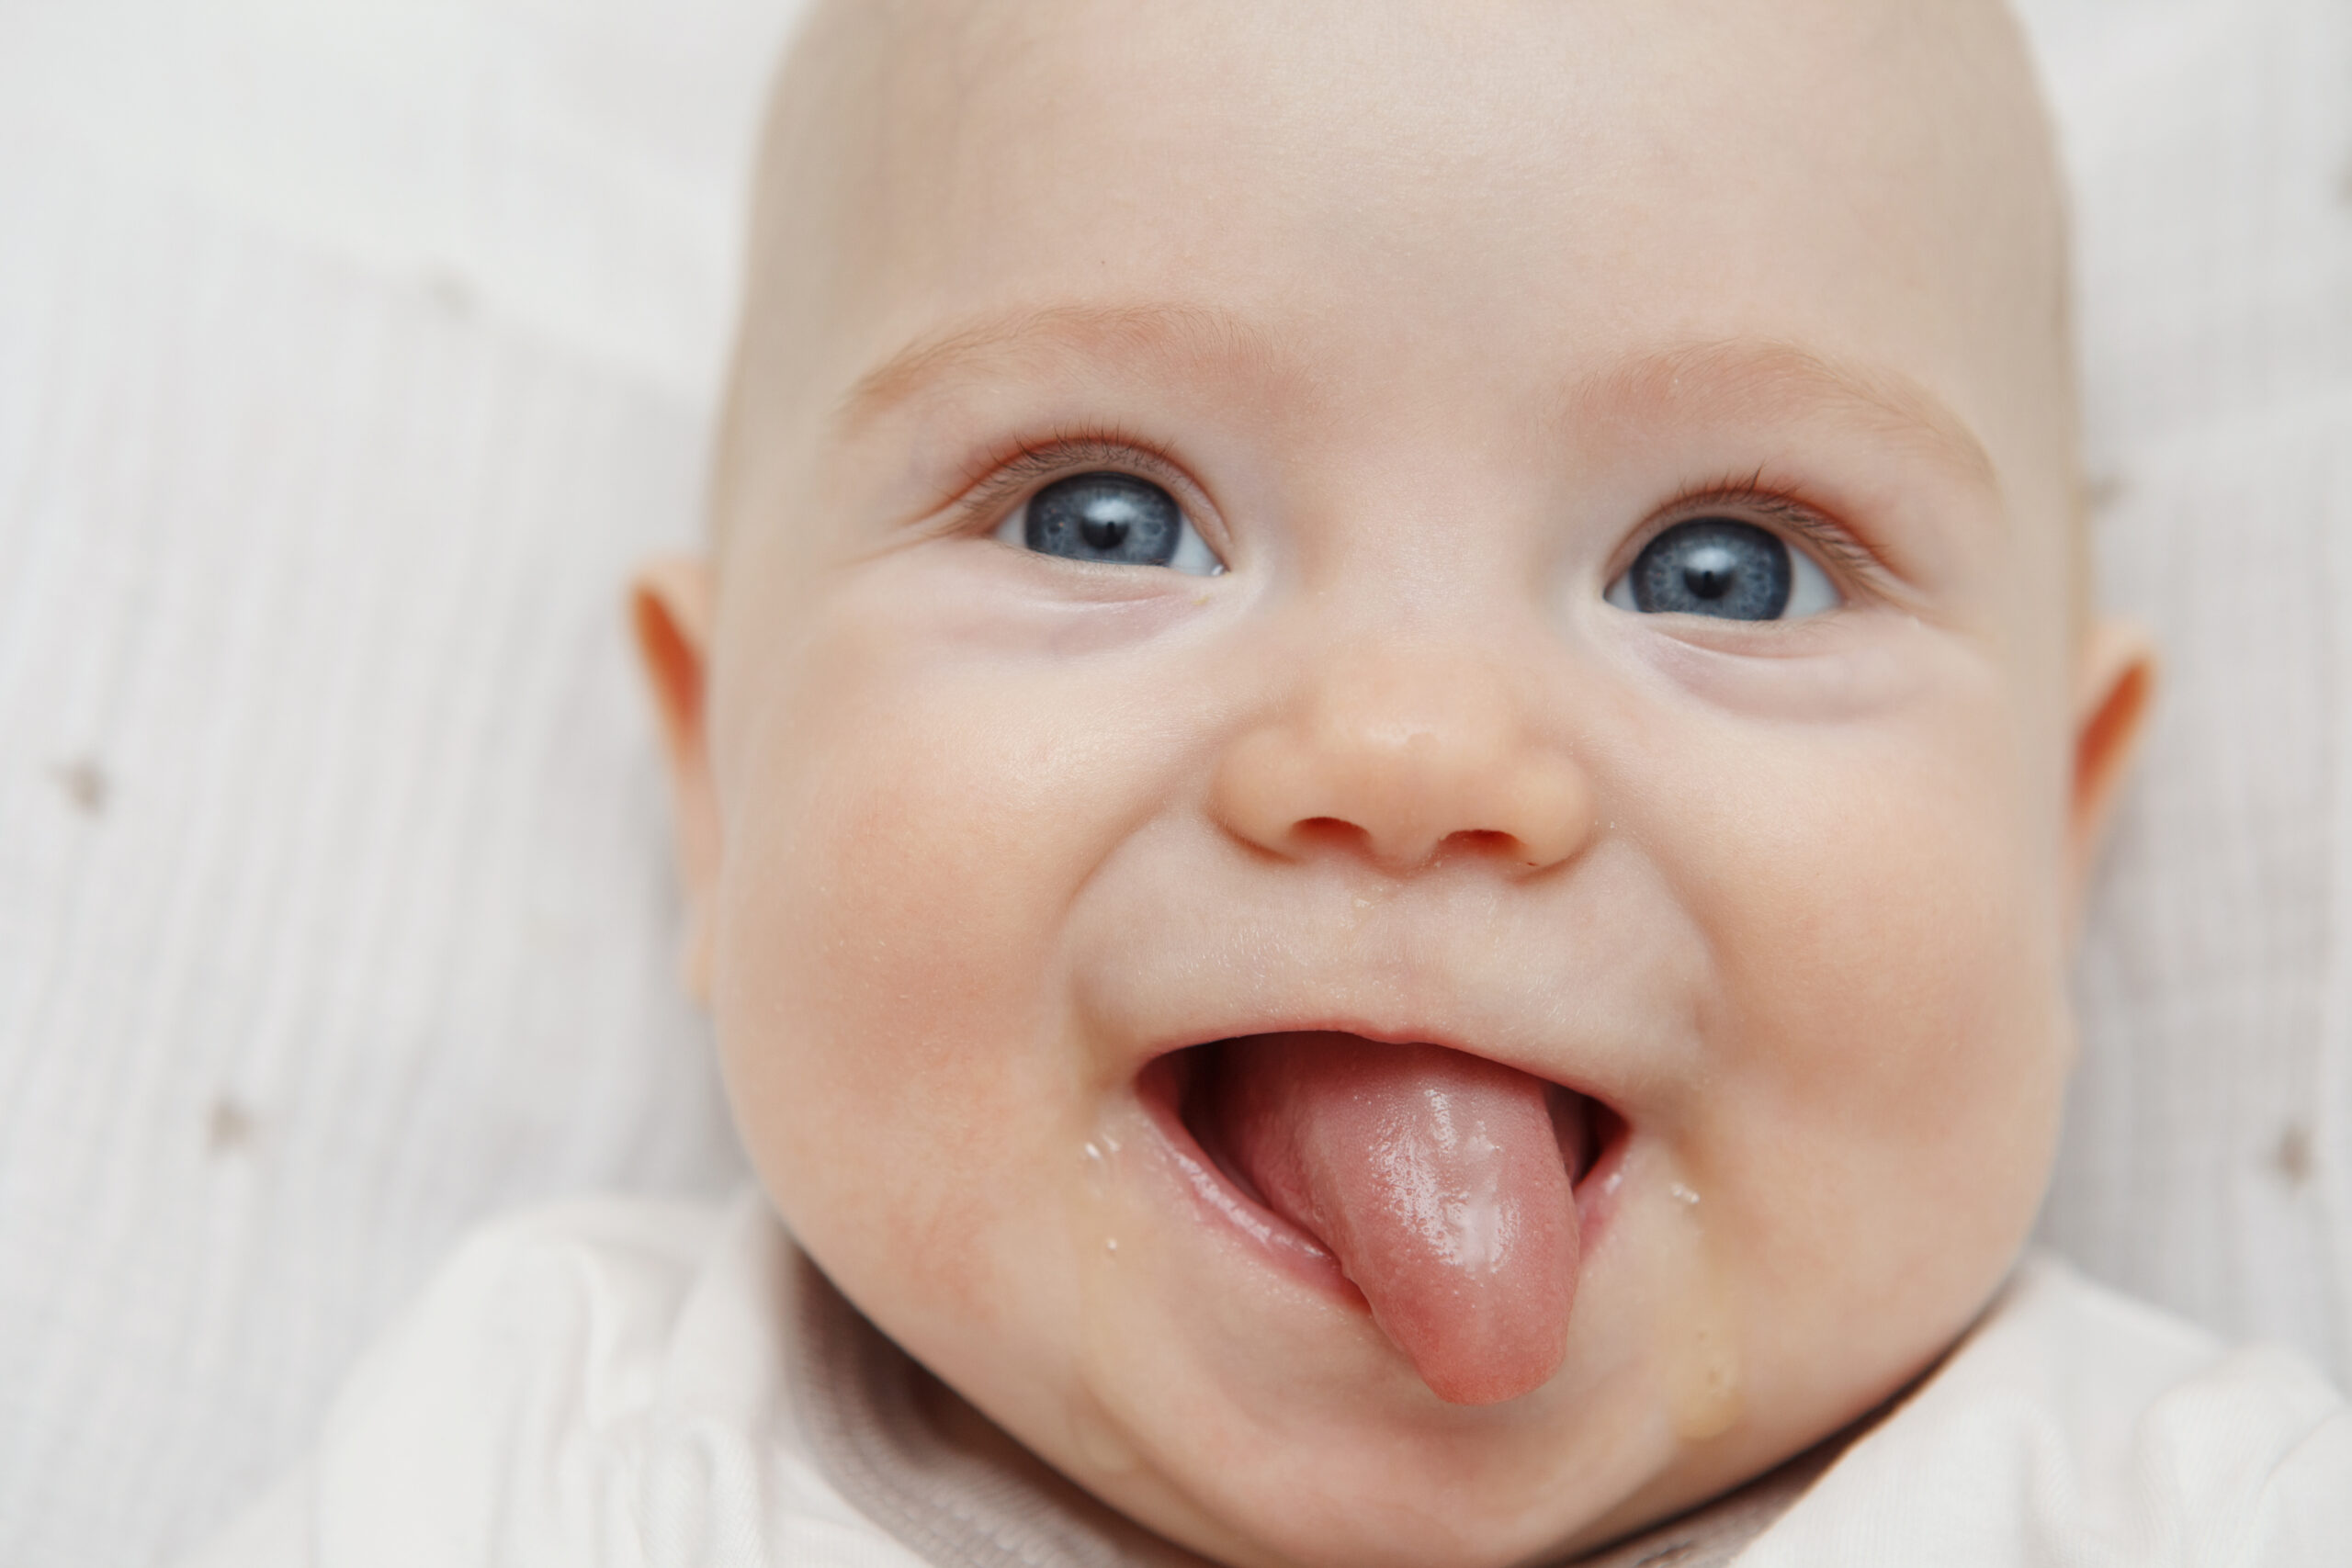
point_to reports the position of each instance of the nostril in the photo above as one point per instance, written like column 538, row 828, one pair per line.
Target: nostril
column 1328, row 833
column 1314, row 835
column 1487, row 841
column 1337, row 785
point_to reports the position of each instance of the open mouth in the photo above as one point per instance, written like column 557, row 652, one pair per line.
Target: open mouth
column 1444, row 1186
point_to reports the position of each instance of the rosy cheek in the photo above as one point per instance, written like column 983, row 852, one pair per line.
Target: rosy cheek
column 867, row 960
column 1891, row 1065
column 1888, row 931
column 907, row 837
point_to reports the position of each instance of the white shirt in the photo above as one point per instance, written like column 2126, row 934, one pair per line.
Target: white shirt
column 628, row 1383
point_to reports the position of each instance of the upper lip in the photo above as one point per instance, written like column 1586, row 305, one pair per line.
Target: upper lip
column 1390, row 1034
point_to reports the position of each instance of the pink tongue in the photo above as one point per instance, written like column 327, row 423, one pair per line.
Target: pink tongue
column 1438, row 1181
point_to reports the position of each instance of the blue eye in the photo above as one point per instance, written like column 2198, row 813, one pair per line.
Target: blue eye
column 1113, row 518
column 1731, row 570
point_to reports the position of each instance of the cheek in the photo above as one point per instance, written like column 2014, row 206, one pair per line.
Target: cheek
column 909, row 822
column 1893, row 995
column 879, row 916
column 1886, row 1039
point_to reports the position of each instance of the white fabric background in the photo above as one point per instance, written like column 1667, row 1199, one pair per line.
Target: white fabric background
column 349, row 352
column 2209, row 1164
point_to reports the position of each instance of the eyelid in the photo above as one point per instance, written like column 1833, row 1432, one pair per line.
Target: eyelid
column 1011, row 475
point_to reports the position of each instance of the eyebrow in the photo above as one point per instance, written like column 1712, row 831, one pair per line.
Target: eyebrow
column 1780, row 376
column 1777, row 374
column 1195, row 332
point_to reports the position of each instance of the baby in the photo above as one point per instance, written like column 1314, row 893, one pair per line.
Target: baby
column 1385, row 766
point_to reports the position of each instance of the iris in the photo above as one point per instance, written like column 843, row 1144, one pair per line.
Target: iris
column 1714, row 565
column 1104, row 517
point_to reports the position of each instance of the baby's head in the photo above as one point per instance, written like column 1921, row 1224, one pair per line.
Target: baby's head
column 1386, row 760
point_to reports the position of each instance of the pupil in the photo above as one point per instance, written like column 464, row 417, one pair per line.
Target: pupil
column 1103, row 533
column 1709, row 571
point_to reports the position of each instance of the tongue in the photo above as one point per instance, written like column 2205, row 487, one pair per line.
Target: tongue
column 1439, row 1181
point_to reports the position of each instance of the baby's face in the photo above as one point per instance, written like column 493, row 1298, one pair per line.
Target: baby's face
column 1394, row 752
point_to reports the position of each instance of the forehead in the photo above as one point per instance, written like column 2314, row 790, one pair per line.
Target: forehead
column 1038, row 143
column 1548, row 190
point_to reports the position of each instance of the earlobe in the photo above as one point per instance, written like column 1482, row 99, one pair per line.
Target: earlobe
column 670, row 613
column 2114, row 690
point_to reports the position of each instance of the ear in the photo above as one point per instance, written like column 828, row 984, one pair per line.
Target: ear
column 670, row 611
column 2115, row 682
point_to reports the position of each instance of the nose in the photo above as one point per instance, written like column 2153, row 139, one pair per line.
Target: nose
column 1403, row 754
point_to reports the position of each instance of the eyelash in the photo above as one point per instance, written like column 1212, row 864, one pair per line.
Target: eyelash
column 1757, row 498
column 1003, row 480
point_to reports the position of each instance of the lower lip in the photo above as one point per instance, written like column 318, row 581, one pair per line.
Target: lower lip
column 1292, row 1251
column 1226, row 1206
